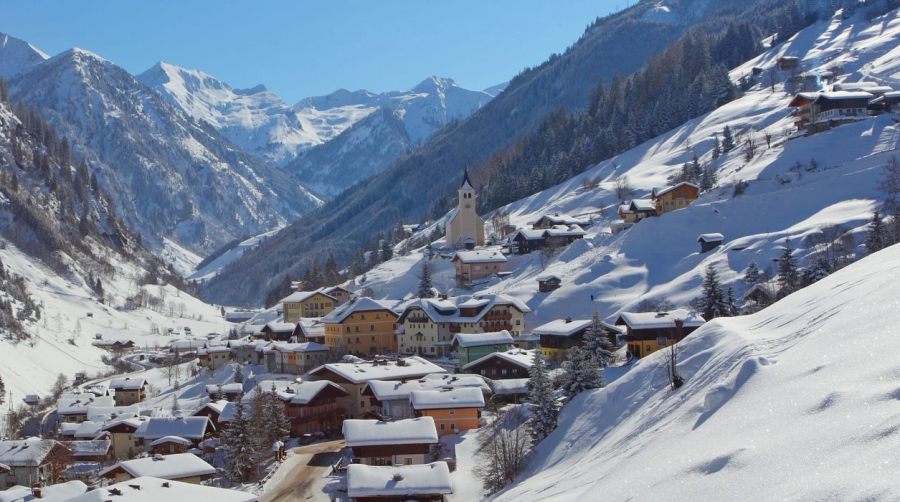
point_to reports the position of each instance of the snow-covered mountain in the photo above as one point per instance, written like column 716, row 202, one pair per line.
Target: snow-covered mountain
column 169, row 176
column 17, row 55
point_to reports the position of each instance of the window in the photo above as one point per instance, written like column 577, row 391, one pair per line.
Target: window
column 452, row 412
column 362, row 403
column 453, row 426
column 407, row 461
column 503, row 371
column 443, row 426
column 362, row 316
column 371, row 327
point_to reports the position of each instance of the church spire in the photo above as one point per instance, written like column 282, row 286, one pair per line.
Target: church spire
column 466, row 183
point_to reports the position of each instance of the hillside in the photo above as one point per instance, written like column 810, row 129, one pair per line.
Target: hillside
column 797, row 402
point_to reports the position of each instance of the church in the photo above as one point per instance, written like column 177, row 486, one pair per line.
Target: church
column 466, row 228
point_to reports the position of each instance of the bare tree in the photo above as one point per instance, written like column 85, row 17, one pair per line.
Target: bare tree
column 504, row 444
column 675, row 379
column 623, row 189
column 500, row 222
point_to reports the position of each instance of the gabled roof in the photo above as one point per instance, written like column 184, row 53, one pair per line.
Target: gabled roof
column 79, row 405
column 562, row 327
column 178, row 466
column 711, row 238
column 442, row 311
column 510, row 386
column 464, row 397
column 363, row 371
column 387, row 390
column 302, row 296
column 216, row 406
column 103, row 414
column 398, row 481
column 186, row 427
column 88, row 430
column 298, row 392
column 89, row 448
column 655, row 195
column 519, row 357
column 842, row 95
column 151, row 489
column 559, row 219
column 25, row 452
column 657, row 320
column 377, row 433
column 280, row 327
column 529, row 234
column 361, row 304
column 548, row 277
column 481, row 339
column 171, row 439
column 480, row 256
column 300, row 347
column 565, row 231
column 52, row 493
column 642, row 205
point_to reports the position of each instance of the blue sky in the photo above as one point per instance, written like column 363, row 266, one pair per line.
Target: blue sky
column 305, row 48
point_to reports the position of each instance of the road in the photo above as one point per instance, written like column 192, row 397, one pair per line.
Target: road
column 306, row 467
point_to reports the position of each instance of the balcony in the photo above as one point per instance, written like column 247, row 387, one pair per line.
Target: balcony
column 455, row 328
column 498, row 327
column 417, row 319
column 498, row 317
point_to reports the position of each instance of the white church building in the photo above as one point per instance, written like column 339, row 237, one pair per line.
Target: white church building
column 466, row 228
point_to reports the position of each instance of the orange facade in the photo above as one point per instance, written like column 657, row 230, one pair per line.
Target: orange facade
column 368, row 332
column 450, row 420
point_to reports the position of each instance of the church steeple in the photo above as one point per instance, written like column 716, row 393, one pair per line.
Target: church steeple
column 466, row 183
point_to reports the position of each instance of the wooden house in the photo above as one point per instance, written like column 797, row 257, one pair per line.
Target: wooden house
column 194, row 428
column 128, row 391
column 525, row 241
column 309, row 406
column 392, row 397
column 94, row 450
column 548, row 282
column 214, row 410
column 512, row 364
column 788, row 63
column 280, row 331
column 708, row 242
column 170, row 445
column 647, row 332
column 675, row 197
column 560, row 335
column 403, row 483
column 121, row 433
column 555, row 219
column 401, row 442
column 636, row 210
column 340, row 294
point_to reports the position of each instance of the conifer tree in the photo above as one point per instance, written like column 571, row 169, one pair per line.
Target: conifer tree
column 582, row 372
column 175, row 406
column 730, row 301
column 727, row 139
column 596, row 343
column 544, row 406
column 713, row 302
column 875, row 239
column 717, row 148
column 276, row 424
column 236, row 443
column 788, row 273
column 751, row 276
column 2, row 390
column 426, row 289
column 238, row 373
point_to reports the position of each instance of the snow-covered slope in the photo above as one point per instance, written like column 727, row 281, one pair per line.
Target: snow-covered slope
column 798, row 402
column 17, row 56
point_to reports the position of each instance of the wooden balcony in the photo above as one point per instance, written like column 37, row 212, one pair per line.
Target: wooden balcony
column 498, row 327
column 455, row 328
column 498, row 317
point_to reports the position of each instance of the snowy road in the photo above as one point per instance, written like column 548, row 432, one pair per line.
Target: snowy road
column 303, row 470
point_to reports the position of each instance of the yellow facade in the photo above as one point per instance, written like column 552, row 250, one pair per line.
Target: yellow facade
column 646, row 347
column 555, row 355
column 365, row 332
column 317, row 305
column 677, row 198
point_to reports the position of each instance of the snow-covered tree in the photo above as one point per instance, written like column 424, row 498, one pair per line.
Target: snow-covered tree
column 730, row 301
column 238, row 446
column 544, row 408
column 727, row 139
column 717, row 148
column 596, row 343
column 275, row 422
column 713, row 302
column 876, row 239
column 175, row 406
column 426, row 289
column 238, row 373
column 788, row 272
column 751, row 276
column 582, row 372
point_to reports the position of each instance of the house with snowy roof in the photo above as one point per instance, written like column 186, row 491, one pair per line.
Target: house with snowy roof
column 342, row 295
column 307, row 304
column 551, row 220
column 392, row 397
column 227, row 391
column 122, row 434
column 636, row 210
column 73, row 408
column 675, row 197
column 820, row 111
column 511, row 364
column 298, row 358
column 32, row 460
column 192, row 428
column 401, row 442
column 128, row 390
column 310, row 406
column 184, row 467
column 214, row 357
column 278, row 331
column 453, row 410
column 472, row 346
column 559, row 335
column 424, row 483
column 311, row 330
column 151, row 489
column 548, row 282
column 353, row 377
column 362, row 326
column 475, row 265
column 170, row 445
column 54, row 493
column 647, row 332
column 213, row 411
column 427, row 325
column 711, row 241
column 464, row 223
column 95, row 450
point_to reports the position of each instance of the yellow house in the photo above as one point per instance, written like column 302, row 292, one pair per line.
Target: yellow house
column 648, row 332
column 363, row 326
column 453, row 410
column 637, row 210
column 121, row 432
column 674, row 197
column 307, row 304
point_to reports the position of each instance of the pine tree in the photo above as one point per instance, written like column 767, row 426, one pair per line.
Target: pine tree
column 730, row 301
column 426, row 289
column 727, row 139
column 2, row 390
column 788, row 273
column 713, row 303
column 875, row 239
column 277, row 426
column 717, row 148
column 544, row 406
column 386, row 250
column 582, row 372
column 238, row 373
column 236, row 443
column 175, row 406
column 596, row 343
column 751, row 276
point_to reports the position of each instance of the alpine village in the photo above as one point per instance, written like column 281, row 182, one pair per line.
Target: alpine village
column 659, row 265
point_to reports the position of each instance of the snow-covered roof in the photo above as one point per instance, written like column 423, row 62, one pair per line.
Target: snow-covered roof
column 443, row 311
column 216, row 349
column 841, row 95
column 510, row 386
column 281, row 327
column 480, row 256
column 186, row 344
column 53, row 493
column 361, row 304
column 562, row 327
column 302, row 296
column 297, row 392
column 187, row 427
column 127, row 383
column 301, row 347
column 377, row 433
column 386, row 390
column 480, row 339
column 227, row 388
column 857, row 86
column 529, row 234
column 565, row 231
column 363, row 371
column 103, row 413
column 134, row 422
column 154, row 489
column 88, row 430
column 559, row 219
column 25, row 452
column 177, row 466
column 216, row 406
column 171, row 439
column 519, row 357
column 464, row 397
column 398, row 481
column 711, row 238
column 673, row 187
column 79, row 405
column 89, row 448
column 657, row 320
column 548, row 277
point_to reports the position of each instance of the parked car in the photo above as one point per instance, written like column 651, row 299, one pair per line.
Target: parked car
column 311, row 437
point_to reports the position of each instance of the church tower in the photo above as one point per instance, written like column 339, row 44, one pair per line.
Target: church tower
column 466, row 228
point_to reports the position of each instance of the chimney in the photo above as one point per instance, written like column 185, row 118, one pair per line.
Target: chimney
column 568, row 320
column 165, row 484
column 397, row 477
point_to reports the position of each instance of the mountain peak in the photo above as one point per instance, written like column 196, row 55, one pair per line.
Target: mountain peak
column 17, row 55
column 433, row 83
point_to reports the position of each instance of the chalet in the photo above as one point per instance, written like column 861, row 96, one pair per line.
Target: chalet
column 227, row 391
column 73, row 407
column 311, row 331
column 353, row 377
column 170, row 445
column 184, row 467
column 401, row 442
column 788, row 63
column 113, row 345
column 427, row 326
column 474, row 265
column 193, row 428
column 820, row 111
column 675, row 197
column 511, row 390
column 525, row 241
column 555, row 219
column 98, row 450
column 472, row 346
column 340, row 294
column 464, row 223
column 563, row 235
column 637, row 210
column 453, row 410
column 214, row 357
column 298, row 358
column 122, row 434
column 307, row 304
column 647, row 332
column 32, row 399
column 309, row 406
column 362, row 326
column 53, row 493
column 708, row 242
column 279, row 331
column 392, row 397
column 512, row 364
column 560, row 335
column 758, row 297
column 146, row 488
column 34, row 460
column 548, row 282
column 402, row 483
column 213, row 410
column 128, row 391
